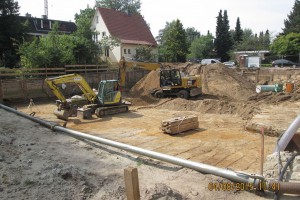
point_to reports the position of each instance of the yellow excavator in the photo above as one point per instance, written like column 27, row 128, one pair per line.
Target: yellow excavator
column 174, row 83
column 107, row 100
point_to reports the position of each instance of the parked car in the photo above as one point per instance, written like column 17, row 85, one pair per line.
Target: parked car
column 229, row 64
column 283, row 62
column 209, row 61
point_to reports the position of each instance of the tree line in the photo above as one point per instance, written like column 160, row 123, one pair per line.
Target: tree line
column 175, row 43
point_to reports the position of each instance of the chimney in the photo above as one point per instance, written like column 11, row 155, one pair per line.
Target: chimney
column 28, row 15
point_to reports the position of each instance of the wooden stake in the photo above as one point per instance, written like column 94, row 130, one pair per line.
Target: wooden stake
column 262, row 151
column 132, row 183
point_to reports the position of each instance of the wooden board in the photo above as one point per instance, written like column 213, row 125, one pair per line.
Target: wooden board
column 180, row 124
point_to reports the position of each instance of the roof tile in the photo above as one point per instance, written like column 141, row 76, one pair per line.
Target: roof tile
column 131, row 29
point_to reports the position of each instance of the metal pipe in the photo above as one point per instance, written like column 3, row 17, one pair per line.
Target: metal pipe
column 288, row 135
column 283, row 187
column 204, row 168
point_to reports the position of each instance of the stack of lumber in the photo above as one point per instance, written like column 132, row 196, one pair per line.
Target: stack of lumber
column 179, row 124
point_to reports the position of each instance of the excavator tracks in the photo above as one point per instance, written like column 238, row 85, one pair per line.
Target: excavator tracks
column 103, row 111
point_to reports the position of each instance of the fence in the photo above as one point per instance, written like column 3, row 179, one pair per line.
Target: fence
column 29, row 83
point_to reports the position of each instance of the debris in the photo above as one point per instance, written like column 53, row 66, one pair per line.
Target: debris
column 180, row 124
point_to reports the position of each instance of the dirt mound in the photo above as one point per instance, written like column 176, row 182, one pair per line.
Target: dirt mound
column 141, row 91
column 212, row 106
column 222, row 81
column 272, row 97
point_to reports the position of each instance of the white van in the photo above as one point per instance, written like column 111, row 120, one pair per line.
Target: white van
column 209, row 61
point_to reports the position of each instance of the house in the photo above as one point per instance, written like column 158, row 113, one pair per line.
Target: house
column 42, row 26
column 131, row 30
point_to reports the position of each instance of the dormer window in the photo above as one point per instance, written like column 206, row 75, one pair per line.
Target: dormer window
column 103, row 34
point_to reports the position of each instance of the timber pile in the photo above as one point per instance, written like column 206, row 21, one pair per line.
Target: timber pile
column 179, row 124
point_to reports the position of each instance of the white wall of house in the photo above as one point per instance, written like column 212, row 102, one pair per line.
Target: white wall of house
column 126, row 50
column 129, row 50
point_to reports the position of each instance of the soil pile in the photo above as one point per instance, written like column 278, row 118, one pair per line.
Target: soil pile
column 212, row 106
column 273, row 97
column 221, row 81
column 141, row 91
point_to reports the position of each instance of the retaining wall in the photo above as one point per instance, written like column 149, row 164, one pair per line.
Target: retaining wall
column 35, row 88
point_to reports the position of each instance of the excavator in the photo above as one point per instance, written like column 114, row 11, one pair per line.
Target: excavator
column 107, row 100
column 172, row 81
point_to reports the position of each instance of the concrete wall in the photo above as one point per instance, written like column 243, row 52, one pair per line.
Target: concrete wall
column 272, row 75
column 36, row 88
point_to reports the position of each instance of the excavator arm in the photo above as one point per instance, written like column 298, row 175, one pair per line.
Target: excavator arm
column 71, row 78
column 124, row 65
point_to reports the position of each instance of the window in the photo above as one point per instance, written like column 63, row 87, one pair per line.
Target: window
column 103, row 34
column 129, row 52
column 124, row 51
column 97, row 19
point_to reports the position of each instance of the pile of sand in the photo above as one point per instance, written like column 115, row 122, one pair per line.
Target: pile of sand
column 216, row 80
column 222, row 81
column 273, row 97
column 141, row 91
column 212, row 106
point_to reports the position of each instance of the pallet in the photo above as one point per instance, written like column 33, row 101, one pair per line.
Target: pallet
column 179, row 124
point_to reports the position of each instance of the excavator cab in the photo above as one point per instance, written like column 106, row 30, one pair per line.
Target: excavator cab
column 109, row 93
column 170, row 77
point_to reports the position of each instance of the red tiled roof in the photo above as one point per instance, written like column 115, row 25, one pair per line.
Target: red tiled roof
column 130, row 29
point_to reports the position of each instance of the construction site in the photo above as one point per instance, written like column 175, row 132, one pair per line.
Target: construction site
column 220, row 144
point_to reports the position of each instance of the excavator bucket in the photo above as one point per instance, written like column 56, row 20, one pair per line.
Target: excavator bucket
column 195, row 92
column 62, row 114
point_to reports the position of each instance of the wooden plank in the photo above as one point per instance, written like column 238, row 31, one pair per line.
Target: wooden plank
column 83, row 70
column 179, row 120
column 31, row 74
column 132, row 183
column 30, row 69
column 93, row 66
column 181, row 128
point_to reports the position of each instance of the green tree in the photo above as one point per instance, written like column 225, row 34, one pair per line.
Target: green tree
column 238, row 32
column 143, row 53
column 252, row 42
column 191, row 35
column 55, row 50
column 292, row 24
column 11, row 33
column 173, row 46
column 223, row 41
column 130, row 6
column 286, row 44
column 86, row 49
column 201, row 47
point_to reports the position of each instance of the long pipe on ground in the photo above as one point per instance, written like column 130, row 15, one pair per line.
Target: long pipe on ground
column 239, row 177
column 288, row 135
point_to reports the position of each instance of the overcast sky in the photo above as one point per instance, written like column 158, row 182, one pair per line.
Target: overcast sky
column 258, row 15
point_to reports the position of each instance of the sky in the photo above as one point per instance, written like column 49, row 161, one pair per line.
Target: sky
column 258, row 15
